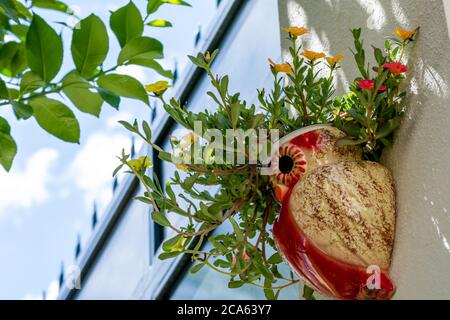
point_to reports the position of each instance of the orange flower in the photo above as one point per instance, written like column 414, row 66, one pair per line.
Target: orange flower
column 405, row 34
column 283, row 67
column 312, row 55
column 332, row 61
column 296, row 31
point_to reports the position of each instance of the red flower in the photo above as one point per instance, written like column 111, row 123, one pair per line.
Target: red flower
column 366, row 84
column 396, row 67
column 369, row 85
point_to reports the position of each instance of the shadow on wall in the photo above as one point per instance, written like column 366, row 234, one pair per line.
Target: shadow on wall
column 420, row 157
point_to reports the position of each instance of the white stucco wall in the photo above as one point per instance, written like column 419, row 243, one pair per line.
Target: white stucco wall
column 420, row 157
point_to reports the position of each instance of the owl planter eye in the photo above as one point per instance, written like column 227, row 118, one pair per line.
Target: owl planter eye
column 304, row 150
column 337, row 220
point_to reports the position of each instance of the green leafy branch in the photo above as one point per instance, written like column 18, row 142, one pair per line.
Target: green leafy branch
column 30, row 62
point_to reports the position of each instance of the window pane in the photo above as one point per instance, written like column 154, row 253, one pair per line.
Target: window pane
column 124, row 259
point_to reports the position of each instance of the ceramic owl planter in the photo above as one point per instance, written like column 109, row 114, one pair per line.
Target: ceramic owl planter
column 337, row 221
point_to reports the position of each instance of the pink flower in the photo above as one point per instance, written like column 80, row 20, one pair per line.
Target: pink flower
column 369, row 85
column 366, row 84
column 396, row 67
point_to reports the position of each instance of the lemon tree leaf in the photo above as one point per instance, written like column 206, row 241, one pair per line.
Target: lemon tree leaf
column 56, row 118
column 52, row 4
column 44, row 50
column 78, row 90
column 123, row 86
column 8, row 147
column 90, row 45
column 160, row 23
column 30, row 82
column 141, row 48
column 126, row 23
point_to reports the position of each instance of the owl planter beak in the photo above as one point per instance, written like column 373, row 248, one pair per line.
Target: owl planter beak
column 337, row 220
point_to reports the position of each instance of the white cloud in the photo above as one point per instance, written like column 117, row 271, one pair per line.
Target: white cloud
column 51, row 293
column 27, row 187
column 112, row 122
column 134, row 71
column 92, row 167
column 32, row 296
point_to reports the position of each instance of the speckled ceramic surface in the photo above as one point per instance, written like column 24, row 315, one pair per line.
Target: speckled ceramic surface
column 337, row 221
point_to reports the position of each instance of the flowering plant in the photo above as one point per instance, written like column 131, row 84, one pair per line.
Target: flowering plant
column 217, row 192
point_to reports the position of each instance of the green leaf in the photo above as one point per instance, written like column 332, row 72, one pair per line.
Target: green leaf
column 269, row 293
column 275, row 259
column 350, row 142
column 141, row 48
column 143, row 199
column 237, row 230
column 20, row 31
column 52, row 4
column 160, row 218
column 127, row 23
column 116, row 170
column 78, row 90
column 388, row 128
column 89, row 45
column 308, row 293
column 12, row 59
column 169, row 255
column 56, row 118
column 170, row 192
column 235, row 113
column 8, row 149
column 147, row 130
column 22, row 10
column 22, row 110
column 129, row 126
column 169, row 244
column 124, row 86
column 152, row 64
column 44, row 49
column 30, row 82
column 197, row 267
column 10, row 9
column 160, row 23
column 153, row 5
column 235, row 284
column 109, row 98
column 4, row 93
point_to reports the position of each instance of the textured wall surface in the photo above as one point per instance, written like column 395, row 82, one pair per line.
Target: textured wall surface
column 420, row 157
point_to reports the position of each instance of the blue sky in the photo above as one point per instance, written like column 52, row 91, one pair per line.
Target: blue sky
column 47, row 198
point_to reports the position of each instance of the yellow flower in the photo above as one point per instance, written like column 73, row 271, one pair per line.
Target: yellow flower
column 182, row 167
column 332, row 61
column 178, row 246
column 296, row 31
column 158, row 88
column 312, row 55
column 140, row 163
column 187, row 140
column 283, row 67
column 405, row 34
